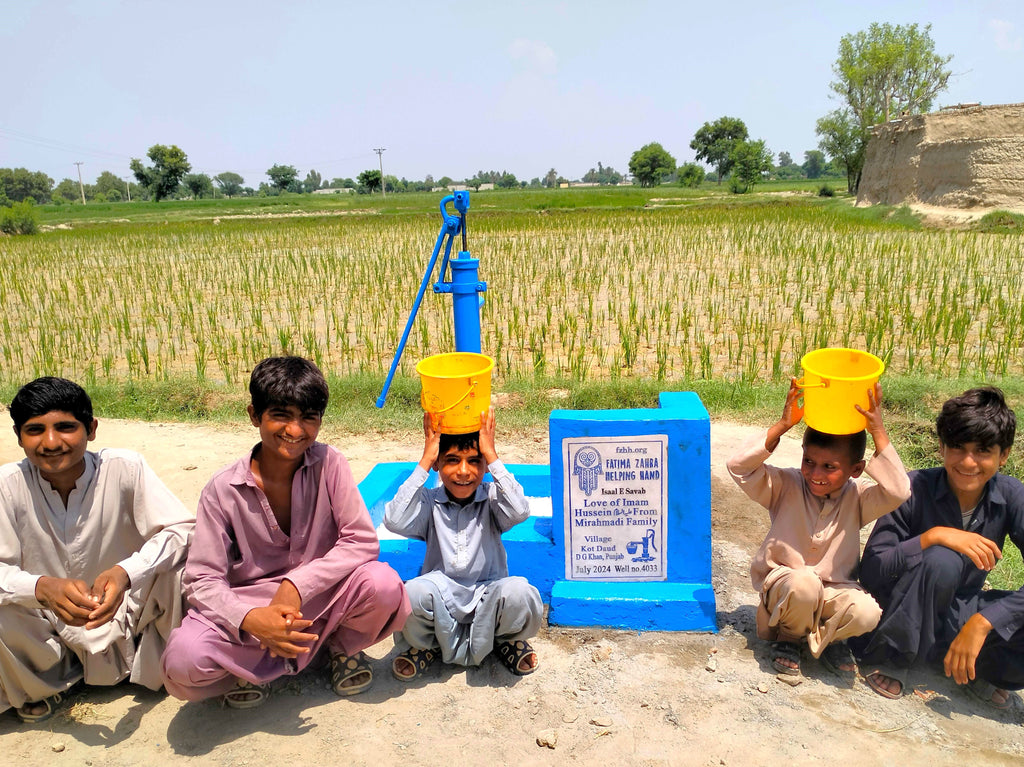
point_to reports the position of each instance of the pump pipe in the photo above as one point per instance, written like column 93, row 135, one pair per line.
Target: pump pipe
column 464, row 286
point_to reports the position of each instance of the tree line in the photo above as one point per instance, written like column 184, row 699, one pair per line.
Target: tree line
column 881, row 73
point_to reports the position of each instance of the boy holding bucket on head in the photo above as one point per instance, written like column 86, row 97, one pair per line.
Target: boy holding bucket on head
column 805, row 570
column 464, row 603
column 284, row 561
column 926, row 563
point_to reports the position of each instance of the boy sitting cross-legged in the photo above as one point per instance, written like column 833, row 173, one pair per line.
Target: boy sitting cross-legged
column 284, row 561
column 805, row 569
column 464, row 604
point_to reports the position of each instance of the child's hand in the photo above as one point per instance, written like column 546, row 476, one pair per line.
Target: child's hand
column 431, row 443
column 487, row 429
column 792, row 412
column 873, row 416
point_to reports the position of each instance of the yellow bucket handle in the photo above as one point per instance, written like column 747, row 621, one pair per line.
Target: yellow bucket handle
column 801, row 385
column 472, row 385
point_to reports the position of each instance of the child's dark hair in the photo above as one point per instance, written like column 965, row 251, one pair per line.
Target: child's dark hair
column 854, row 444
column 284, row 381
column 978, row 415
column 459, row 441
column 49, row 393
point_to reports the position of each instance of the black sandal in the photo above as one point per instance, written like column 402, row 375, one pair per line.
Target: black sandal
column 512, row 654
column 786, row 651
column 345, row 668
column 420, row 660
column 836, row 655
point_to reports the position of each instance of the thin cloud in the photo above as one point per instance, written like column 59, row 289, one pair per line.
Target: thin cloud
column 534, row 56
column 1003, row 32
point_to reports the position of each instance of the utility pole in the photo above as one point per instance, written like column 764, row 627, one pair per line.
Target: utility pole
column 81, row 188
column 380, row 157
column 128, row 188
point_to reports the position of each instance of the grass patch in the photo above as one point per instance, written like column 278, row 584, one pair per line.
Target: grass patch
column 1001, row 222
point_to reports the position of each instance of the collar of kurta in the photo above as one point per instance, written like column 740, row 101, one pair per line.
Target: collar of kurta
column 92, row 461
column 242, row 472
column 993, row 494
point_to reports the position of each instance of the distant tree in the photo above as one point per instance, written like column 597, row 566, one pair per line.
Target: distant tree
column 845, row 142
column 392, row 184
column 690, row 175
column 445, row 181
column 281, row 176
column 714, row 142
column 650, row 163
column 750, row 160
column 507, row 181
column 789, row 171
column 230, row 183
column 602, row 175
column 107, row 182
column 114, row 195
column 199, row 185
column 18, row 184
column 67, row 190
column 170, row 164
column 343, row 183
column 814, row 163
column 312, row 182
column 551, row 179
column 370, row 180
column 535, row 182
column 881, row 72
column 295, row 186
column 785, row 160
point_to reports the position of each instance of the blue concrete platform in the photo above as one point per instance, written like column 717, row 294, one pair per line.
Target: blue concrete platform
column 679, row 599
column 530, row 545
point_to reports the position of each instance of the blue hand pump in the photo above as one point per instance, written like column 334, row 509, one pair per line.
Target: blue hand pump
column 465, row 287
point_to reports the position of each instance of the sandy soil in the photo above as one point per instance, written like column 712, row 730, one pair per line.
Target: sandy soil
column 600, row 697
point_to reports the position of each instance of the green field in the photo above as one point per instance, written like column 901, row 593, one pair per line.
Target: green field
column 596, row 298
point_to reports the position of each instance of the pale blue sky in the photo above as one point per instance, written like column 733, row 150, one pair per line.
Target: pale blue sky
column 449, row 88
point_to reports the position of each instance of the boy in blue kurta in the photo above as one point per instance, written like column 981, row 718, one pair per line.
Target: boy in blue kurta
column 464, row 604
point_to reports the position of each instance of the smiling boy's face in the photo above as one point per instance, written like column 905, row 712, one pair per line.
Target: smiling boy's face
column 461, row 473
column 55, row 443
column 969, row 467
column 825, row 469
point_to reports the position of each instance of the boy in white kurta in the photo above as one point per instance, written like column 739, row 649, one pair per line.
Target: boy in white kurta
column 92, row 546
column 464, row 604
column 805, row 571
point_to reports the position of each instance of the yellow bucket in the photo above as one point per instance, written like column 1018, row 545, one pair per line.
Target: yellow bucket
column 456, row 390
column 834, row 381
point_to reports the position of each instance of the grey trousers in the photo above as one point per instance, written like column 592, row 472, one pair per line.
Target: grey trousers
column 40, row 655
column 509, row 609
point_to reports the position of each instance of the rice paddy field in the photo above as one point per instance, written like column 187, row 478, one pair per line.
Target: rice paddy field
column 671, row 291
column 692, row 290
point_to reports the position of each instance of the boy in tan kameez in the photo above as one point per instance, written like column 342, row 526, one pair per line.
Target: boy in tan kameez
column 92, row 546
column 805, row 570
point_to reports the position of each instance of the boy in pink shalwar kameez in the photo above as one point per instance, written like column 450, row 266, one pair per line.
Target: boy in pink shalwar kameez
column 284, row 559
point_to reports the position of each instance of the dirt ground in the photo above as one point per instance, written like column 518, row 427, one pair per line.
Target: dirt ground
column 599, row 697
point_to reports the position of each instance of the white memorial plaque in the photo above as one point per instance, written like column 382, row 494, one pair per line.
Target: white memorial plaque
column 615, row 491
